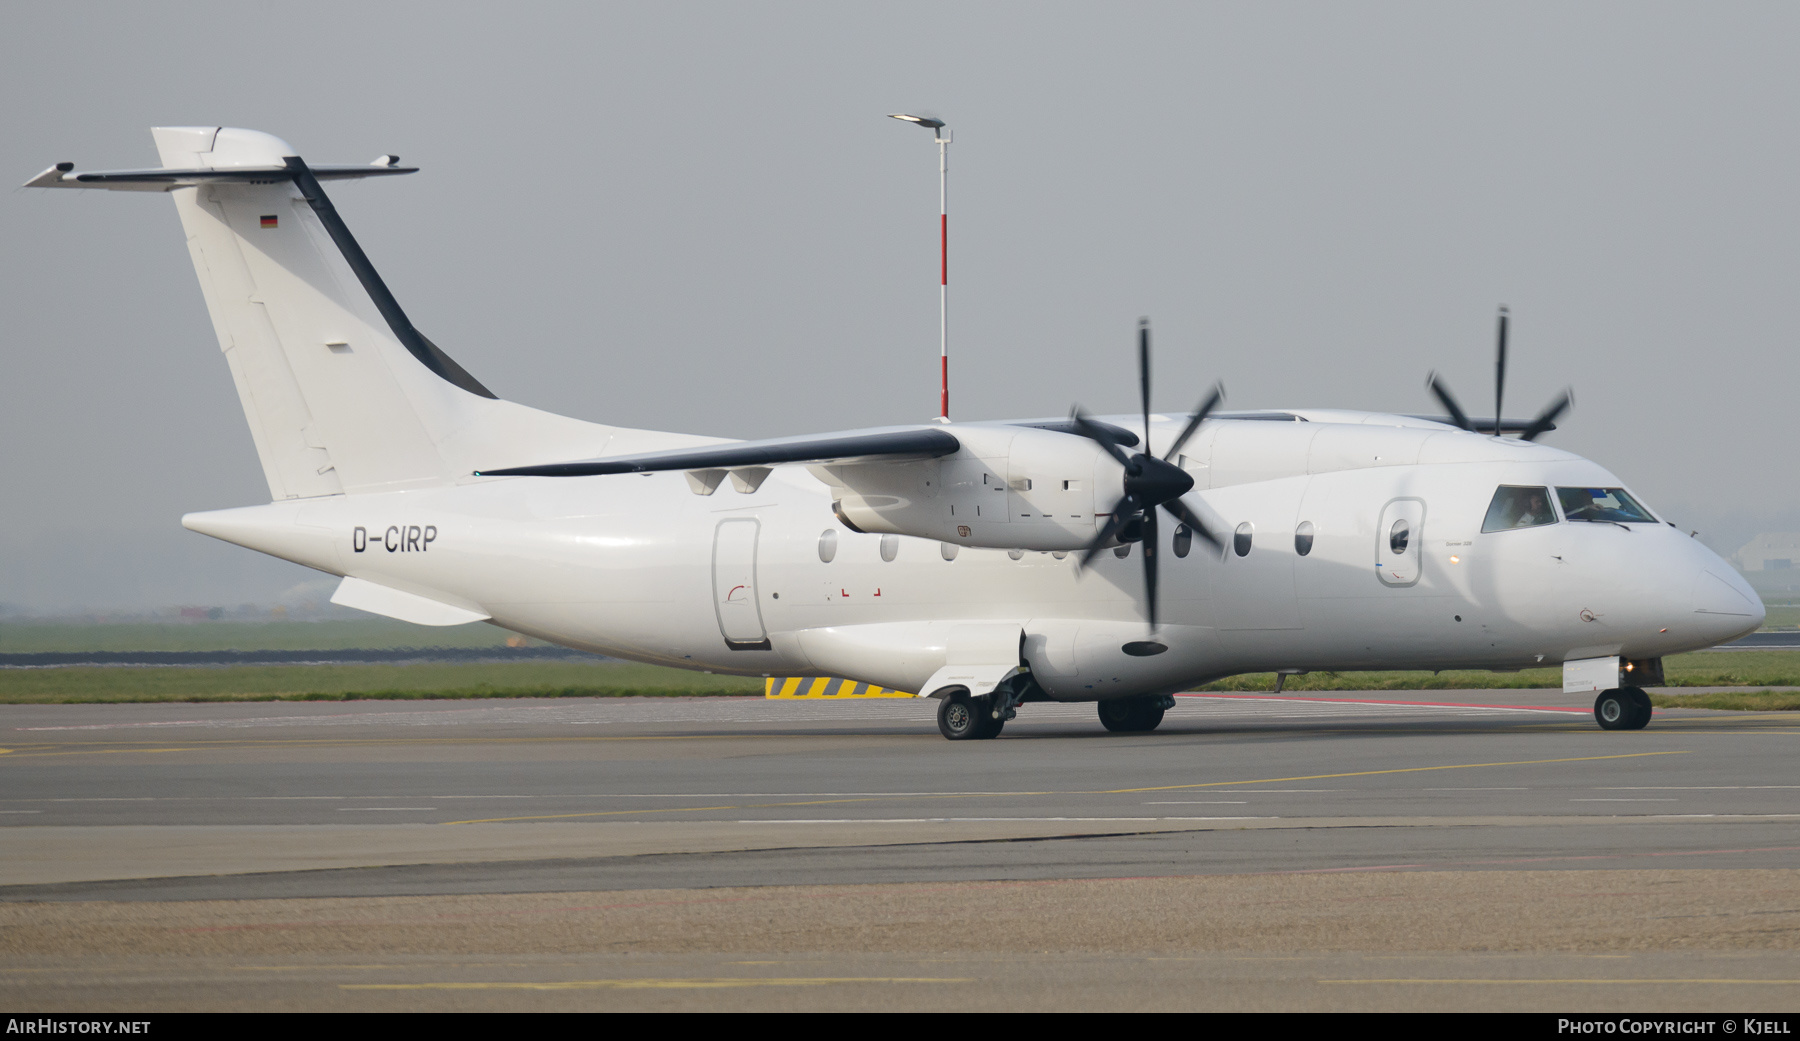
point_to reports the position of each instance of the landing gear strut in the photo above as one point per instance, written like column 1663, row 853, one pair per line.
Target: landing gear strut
column 1624, row 708
column 1134, row 714
column 963, row 718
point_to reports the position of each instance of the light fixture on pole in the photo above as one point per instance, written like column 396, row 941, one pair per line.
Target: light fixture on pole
column 943, row 139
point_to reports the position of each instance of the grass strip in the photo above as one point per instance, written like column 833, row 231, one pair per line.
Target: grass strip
column 1741, row 700
column 1704, row 669
column 333, row 635
column 79, row 684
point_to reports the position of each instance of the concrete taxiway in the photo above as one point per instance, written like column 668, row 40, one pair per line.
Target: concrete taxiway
column 126, row 831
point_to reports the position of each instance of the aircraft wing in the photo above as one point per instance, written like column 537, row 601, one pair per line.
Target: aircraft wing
column 64, row 175
column 893, row 444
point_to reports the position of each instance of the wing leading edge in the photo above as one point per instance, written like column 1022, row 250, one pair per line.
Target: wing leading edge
column 64, row 175
column 894, row 444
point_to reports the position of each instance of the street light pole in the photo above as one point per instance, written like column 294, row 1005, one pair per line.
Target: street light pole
column 943, row 140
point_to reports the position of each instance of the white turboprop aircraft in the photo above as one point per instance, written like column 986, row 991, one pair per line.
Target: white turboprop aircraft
column 933, row 558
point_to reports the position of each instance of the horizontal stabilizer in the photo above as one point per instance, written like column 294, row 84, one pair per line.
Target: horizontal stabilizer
column 408, row 607
column 64, row 175
column 896, row 443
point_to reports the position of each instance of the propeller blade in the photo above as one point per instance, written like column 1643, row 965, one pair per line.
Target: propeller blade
column 1123, row 511
column 1144, row 374
column 1187, row 516
column 1445, row 399
column 1150, row 547
column 1500, row 371
column 1096, row 433
column 1547, row 418
column 1199, row 417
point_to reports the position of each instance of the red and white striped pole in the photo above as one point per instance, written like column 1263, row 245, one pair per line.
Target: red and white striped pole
column 943, row 140
column 943, row 280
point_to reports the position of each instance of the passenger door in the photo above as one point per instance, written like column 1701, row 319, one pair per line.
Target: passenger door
column 734, row 585
column 1400, row 542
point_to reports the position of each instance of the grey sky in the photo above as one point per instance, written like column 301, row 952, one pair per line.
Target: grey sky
column 694, row 217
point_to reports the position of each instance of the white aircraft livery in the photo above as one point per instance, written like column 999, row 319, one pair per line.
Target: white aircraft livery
column 984, row 564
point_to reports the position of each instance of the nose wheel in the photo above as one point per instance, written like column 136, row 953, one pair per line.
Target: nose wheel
column 1626, row 708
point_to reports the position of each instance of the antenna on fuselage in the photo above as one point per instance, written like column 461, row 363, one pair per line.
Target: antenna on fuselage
column 1500, row 370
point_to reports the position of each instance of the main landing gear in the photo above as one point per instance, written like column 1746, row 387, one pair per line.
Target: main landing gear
column 1134, row 714
column 1624, row 708
column 963, row 718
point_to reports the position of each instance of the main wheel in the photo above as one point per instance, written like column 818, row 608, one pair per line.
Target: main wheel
column 1130, row 714
column 1626, row 708
column 963, row 718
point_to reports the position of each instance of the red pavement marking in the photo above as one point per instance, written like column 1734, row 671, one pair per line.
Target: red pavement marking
column 1378, row 701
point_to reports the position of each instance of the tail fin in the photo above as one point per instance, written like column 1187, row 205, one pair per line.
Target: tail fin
column 341, row 392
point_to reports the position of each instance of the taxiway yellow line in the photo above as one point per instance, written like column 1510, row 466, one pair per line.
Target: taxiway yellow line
column 1373, row 773
column 209, row 745
column 97, row 751
column 695, row 809
column 1788, row 983
column 660, row 983
column 1105, row 791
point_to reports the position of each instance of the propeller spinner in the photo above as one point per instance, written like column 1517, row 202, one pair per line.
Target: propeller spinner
column 1545, row 421
column 1149, row 482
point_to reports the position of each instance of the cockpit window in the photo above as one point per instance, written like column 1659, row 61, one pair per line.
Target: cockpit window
column 1518, row 508
column 1602, row 504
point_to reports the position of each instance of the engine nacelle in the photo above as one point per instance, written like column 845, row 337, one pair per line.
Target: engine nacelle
column 1007, row 488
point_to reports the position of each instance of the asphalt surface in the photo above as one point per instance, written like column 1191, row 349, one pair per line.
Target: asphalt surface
column 584, row 794
column 212, row 815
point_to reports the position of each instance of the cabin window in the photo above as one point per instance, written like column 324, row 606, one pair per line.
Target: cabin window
column 1518, row 507
column 1122, row 551
column 1399, row 536
column 1602, row 504
column 827, row 546
column 1303, row 538
column 1184, row 540
column 890, row 547
column 1240, row 539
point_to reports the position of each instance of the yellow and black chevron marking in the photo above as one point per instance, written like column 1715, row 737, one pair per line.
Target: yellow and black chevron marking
column 792, row 687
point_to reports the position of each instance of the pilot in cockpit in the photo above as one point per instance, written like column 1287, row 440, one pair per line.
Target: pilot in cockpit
column 1580, row 504
column 1533, row 509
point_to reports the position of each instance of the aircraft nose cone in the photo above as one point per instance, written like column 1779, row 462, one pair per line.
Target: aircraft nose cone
column 1155, row 482
column 1724, row 604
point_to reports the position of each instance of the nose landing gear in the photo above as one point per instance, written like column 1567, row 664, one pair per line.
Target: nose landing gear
column 1624, row 708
